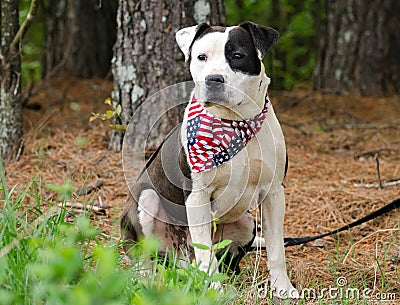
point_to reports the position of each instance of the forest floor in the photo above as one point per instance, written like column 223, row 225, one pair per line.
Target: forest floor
column 332, row 141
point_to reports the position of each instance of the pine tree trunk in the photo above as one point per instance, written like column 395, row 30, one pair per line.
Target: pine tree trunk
column 10, row 83
column 147, row 58
column 80, row 36
column 359, row 51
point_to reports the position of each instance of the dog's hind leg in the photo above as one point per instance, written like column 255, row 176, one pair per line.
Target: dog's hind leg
column 137, row 218
column 137, row 221
column 148, row 207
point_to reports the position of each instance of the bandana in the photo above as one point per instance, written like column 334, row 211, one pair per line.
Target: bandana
column 213, row 141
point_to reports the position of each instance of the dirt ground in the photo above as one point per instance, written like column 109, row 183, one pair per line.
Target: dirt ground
column 332, row 141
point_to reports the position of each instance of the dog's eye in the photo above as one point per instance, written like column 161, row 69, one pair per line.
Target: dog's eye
column 238, row 55
column 202, row 57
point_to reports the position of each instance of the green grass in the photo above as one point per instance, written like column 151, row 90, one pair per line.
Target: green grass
column 46, row 260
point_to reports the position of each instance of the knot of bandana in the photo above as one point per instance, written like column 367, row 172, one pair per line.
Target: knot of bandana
column 213, row 141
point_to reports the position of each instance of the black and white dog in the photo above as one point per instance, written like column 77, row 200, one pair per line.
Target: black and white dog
column 227, row 157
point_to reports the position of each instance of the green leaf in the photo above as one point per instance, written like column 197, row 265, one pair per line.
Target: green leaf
column 150, row 245
column 222, row 244
column 200, row 246
column 81, row 141
column 118, row 110
column 106, row 259
column 108, row 101
column 74, row 106
column 118, row 127
column 319, row 128
column 85, row 227
column 94, row 116
column 7, row 297
column 64, row 190
column 219, row 277
column 109, row 114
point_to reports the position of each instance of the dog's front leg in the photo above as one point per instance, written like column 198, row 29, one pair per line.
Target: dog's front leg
column 273, row 210
column 198, row 208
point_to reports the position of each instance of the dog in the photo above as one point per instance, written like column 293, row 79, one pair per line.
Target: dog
column 226, row 158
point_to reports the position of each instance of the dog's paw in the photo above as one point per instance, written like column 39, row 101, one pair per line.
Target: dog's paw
column 289, row 301
column 283, row 292
column 285, row 296
column 290, row 293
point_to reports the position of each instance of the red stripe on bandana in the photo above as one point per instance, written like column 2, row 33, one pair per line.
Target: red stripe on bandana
column 213, row 141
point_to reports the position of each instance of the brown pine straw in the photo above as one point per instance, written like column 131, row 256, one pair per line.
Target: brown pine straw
column 324, row 133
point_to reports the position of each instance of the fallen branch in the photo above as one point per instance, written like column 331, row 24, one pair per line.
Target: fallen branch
column 373, row 152
column 377, row 185
column 92, row 186
column 378, row 171
column 80, row 208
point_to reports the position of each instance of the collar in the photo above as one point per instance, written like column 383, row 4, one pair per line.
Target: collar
column 212, row 141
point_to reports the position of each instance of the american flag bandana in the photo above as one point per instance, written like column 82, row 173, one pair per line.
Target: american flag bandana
column 213, row 141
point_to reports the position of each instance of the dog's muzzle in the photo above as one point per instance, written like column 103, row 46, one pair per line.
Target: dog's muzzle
column 215, row 82
column 215, row 88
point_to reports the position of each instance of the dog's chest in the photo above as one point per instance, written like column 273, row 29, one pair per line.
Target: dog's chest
column 235, row 186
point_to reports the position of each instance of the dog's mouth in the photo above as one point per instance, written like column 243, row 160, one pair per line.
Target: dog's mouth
column 224, row 101
column 223, row 95
column 216, row 100
column 217, row 97
column 209, row 105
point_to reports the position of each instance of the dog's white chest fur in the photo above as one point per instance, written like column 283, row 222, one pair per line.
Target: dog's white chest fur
column 242, row 183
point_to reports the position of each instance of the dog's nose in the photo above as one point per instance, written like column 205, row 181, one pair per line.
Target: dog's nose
column 214, row 81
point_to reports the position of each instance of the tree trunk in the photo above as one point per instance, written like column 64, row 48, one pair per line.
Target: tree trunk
column 80, row 36
column 147, row 58
column 359, row 50
column 10, row 83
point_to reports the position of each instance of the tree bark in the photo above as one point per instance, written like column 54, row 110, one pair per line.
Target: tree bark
column 147, row 58
column 80, row 36
column 10, row 83
column 359, row 50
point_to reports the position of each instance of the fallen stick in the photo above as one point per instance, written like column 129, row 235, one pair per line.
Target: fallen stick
column 373, row 152
column 92, row 186
column 82, row 207
column 377, row 185
column 378, row 171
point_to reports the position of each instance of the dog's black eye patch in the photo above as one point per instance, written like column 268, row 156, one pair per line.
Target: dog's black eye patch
column 241, row 53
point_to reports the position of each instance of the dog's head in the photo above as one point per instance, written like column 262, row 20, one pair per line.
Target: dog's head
column 226, row 62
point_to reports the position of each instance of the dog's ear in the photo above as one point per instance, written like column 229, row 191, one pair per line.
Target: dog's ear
column 263, row 37
column 186, row 36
